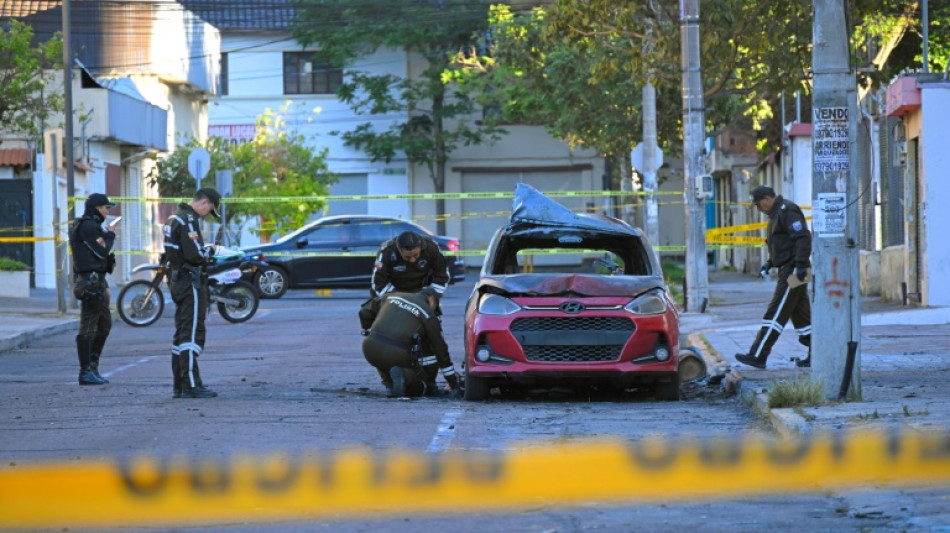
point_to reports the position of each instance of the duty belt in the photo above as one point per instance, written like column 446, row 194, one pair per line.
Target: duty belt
column 401, row 345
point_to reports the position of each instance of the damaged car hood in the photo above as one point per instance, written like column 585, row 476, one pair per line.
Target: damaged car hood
column 578, row 284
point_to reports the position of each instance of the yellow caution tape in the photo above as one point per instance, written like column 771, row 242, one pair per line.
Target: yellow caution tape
column 417, row 196
column 26, row 239
column 259, row 488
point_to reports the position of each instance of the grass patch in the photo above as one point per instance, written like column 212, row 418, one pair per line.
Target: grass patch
column 674, row 273
column 802, row 392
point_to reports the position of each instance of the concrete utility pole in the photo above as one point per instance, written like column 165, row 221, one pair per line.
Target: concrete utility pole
column 68, row 90
column 650, row 164
column 694, row 133
column 836, row 317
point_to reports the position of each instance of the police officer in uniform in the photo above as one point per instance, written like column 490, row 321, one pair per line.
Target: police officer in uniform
column 408, row 263
column 91, row 246
column 789, row 244
column 187, row 257
column 405, row 329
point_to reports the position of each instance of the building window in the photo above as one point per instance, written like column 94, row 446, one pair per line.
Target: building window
column 223, row 82
column 309, row 73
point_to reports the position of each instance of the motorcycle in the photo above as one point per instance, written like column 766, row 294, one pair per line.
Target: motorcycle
column 141, row 302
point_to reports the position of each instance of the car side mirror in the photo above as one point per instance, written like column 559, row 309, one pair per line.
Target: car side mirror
column 302, row 242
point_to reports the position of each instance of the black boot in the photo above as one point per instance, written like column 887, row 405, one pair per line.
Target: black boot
column 176, row 377
column 86, row 375
column 191, row 386
column 94, row 352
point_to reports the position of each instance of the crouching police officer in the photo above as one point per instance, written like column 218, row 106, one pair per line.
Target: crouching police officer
column 187, row 258
column 405, row 321
column 408, row 263
column 91, row 246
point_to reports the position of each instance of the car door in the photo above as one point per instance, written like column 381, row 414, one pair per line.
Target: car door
column 321, row 261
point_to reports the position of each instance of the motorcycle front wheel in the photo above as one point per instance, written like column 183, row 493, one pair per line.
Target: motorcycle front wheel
column 242, row 304
column 140, row 305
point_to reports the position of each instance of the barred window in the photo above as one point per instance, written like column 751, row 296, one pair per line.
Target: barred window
column 310, row 73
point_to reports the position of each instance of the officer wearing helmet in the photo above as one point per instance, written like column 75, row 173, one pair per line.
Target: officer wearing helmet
column 405, row 328
column 91, row 247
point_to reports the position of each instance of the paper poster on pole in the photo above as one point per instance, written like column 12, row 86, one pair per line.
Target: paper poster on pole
column 829, row 214
column 831, row 142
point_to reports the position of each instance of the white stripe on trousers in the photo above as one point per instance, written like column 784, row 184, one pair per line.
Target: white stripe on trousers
column 194, row 328
column 773, row 324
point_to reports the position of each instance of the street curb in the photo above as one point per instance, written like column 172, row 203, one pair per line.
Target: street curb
column 785, row 421
column 27, row 337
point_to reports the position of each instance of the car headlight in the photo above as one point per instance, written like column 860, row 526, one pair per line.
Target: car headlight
column 493, row 304
column 651, row 303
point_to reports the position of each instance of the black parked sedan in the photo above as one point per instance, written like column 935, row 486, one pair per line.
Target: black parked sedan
column 338, row 252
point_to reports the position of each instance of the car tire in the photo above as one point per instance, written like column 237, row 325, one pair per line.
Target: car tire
column 272, row 282
column 476, row 389
column 667, row 391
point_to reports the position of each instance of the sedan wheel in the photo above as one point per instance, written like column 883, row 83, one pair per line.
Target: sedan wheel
column 272, row 282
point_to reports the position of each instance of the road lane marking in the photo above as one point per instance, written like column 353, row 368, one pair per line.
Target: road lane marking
column 112, row 372
column 445, row 431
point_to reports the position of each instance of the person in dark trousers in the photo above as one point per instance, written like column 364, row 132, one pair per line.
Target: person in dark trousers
column 91, row 246
column 408, row 263
column 789, row 244
column 406, row 329
column 188, row 258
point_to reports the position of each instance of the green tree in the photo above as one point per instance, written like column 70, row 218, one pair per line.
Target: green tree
column 25, row 71
column 438, row 118
column 276, row 163
column 752, row 51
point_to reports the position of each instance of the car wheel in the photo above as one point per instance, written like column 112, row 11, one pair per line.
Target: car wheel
column 668, row 391
column 272, row 282
column 476, row 389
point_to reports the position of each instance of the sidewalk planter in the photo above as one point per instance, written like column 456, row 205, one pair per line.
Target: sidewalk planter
column 14, row 279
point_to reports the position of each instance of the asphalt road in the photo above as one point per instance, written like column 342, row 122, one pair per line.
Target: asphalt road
column 293, row 379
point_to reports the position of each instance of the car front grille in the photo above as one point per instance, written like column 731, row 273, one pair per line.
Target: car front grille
column 572, row 339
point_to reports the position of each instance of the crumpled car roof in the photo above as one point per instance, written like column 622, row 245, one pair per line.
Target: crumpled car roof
column 531, row 207
column 532, row 215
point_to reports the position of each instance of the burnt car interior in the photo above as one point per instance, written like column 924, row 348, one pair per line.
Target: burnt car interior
column 619, row 254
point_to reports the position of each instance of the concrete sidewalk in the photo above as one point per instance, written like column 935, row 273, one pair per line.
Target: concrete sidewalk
column 904, row 360
column 24, row 320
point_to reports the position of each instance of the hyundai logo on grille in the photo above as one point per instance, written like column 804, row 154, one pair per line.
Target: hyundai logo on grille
column 572, row 308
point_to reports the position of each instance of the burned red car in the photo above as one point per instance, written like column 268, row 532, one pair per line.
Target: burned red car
column 569, row 299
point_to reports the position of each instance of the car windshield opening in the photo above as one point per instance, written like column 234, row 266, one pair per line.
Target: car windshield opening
column 573, row 254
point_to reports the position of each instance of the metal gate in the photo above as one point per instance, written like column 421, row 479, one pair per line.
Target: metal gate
column 16, row 220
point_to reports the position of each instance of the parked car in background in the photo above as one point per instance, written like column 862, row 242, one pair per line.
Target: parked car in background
column 599, row 315
column 338, row 252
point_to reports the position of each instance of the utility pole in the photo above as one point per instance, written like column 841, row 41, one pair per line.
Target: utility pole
column 836, row 317
column 68, row 90
column 650, row 147
column 694, row 133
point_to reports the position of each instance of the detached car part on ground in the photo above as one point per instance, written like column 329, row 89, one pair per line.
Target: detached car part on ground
column 607, row 321
column 338, row 252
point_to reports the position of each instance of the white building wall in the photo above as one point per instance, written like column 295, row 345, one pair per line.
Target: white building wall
column 935, row 177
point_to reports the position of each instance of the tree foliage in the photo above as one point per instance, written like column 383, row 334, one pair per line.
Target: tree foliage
column 579, row 65
column 276, row 163
column 437, row 117
column 25, row 72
